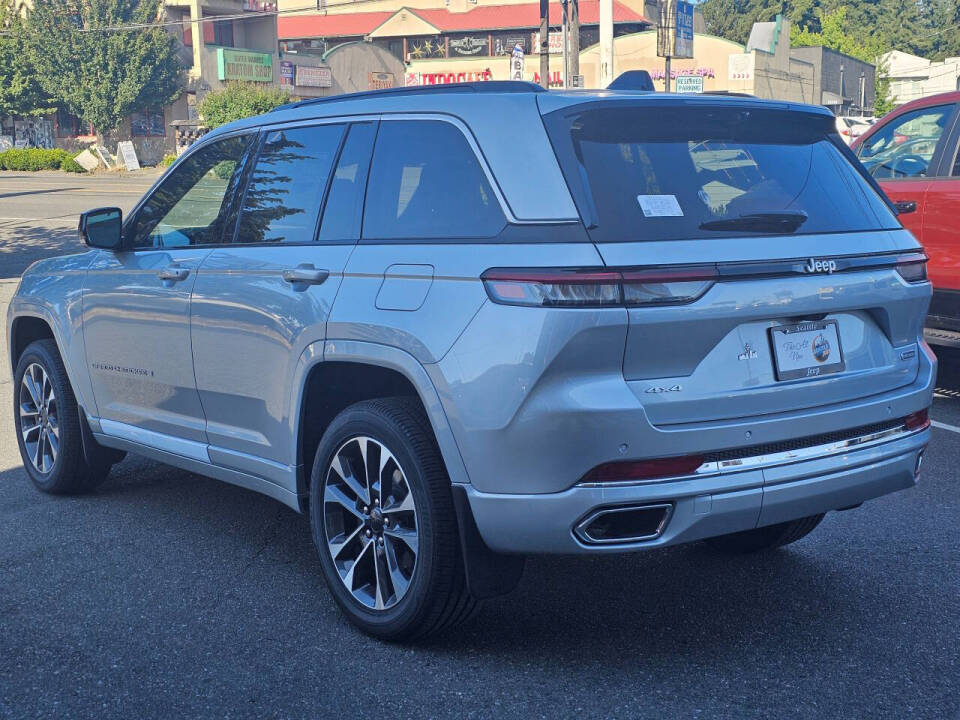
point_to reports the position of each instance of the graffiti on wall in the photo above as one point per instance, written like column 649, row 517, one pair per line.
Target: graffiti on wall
column 33, row 132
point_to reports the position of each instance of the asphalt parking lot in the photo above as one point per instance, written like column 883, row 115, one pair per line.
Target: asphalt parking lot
column 165, row 594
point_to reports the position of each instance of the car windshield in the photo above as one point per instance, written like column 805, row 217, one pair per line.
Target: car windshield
column 680, row 173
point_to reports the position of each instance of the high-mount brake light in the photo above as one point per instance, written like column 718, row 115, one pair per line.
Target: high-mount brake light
column 913, row 268
column 557, row 287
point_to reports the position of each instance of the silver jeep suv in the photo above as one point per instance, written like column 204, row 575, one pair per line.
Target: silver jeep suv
column 462, row 324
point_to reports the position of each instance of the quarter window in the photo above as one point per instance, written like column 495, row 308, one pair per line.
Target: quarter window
column 286, row 187
column 190, row 206
column 426, row 183
column 905, row 147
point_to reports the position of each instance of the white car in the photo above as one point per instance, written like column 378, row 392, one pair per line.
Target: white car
column 850, row 127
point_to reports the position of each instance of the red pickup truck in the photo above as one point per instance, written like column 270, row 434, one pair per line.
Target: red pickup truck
column 914, row 153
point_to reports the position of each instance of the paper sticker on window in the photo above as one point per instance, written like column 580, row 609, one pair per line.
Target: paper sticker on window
column 659, row 205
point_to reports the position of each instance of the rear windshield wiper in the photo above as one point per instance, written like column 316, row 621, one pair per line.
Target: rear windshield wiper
column 759, row 222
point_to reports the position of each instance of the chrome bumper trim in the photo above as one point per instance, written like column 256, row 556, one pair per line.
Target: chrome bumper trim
column 786, row 457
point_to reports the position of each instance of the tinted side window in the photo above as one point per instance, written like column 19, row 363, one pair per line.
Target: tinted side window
column 904, row 147
column 343, row 211
column 287, row 185
column 190, row 205
column 426, row 182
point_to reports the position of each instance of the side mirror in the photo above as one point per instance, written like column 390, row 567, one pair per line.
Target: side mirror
column 100, row 228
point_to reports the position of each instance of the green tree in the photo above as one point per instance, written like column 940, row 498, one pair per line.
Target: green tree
column 98, row 74
column 20, row 93
column 835, row 33
column 237, row 101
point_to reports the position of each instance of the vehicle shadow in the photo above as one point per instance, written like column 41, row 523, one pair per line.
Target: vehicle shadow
column 611, row 610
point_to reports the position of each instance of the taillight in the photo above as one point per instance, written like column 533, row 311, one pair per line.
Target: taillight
column 553, row 288
column 918, row 420
column 633, row 470
column 913, row 268
column 591, row 288
column 657, row 287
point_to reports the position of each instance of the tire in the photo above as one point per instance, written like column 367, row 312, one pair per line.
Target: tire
column 60, row 467
column 765, row 538
column 392, row 595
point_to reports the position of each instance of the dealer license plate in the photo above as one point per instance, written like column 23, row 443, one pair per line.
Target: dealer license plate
column 806, row 350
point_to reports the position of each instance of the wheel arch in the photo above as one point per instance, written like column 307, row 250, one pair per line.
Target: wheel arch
column 345, row 365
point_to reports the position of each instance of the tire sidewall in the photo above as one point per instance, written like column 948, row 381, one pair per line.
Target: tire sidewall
column 36, row 353
column 352, row 423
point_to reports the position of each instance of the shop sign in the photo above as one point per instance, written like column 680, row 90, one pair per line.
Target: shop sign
column 706, row 72
column 469, row 45
column 516, row 63
column 244, row 65
column 379, row 80
column 554, row 42
column 309, row 76
column 740, row 66
column 505, row 44
column 675, row 29
column 286, row 73
column 689, row 84
column 442, row 78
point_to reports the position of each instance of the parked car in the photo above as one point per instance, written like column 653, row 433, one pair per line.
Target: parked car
column 851, row 127
column 914, row 152
column 462, row 324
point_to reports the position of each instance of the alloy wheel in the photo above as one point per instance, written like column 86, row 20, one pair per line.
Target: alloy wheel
column 39, row 421
column 370, row 522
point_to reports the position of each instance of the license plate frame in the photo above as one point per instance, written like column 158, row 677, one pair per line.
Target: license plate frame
column 805, row 336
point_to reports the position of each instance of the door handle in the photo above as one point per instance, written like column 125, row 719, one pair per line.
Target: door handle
column 173, row 274
column 905, row 206
column 305, row 275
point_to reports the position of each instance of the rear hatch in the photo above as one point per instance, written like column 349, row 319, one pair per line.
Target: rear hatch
column 762, row 270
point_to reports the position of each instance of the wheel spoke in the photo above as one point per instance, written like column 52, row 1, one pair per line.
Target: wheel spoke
column 27, row 431
column 30, row 383
column 349, row 479
column 405, row 505
column 52, row 445
column 38, row 458
column 335, row 494
column 399, row 581
column 348, row 578
column 338, row 543
column 409, row 538
column 28, row 412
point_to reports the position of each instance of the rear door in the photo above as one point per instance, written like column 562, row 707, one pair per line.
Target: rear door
column 758, row 262
column 262, row 297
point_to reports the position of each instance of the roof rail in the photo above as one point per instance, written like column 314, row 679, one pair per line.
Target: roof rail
column 489, row 86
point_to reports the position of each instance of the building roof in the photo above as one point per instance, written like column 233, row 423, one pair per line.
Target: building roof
column 483, row 17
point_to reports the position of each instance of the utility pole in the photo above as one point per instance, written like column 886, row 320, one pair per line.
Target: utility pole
column 606, row 42
column 545, row 43
column 574, row 39
column 564, row 34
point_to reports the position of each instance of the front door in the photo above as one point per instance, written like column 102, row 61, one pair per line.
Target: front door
column 136, row 304
column 262, row 298
column 903, row 155
column 941, row 238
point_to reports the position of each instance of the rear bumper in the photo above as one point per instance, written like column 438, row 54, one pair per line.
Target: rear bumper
column 701, row 507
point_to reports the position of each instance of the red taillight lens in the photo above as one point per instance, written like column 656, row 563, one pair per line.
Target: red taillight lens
column 913, row 268
column 591, row 288
column 918, row 420
column 644, row 469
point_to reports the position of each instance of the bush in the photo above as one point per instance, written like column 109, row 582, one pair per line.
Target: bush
column 238, row 101
column 28, row 159
column 168, row 160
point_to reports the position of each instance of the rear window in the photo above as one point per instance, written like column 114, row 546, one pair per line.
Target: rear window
column 665, row 173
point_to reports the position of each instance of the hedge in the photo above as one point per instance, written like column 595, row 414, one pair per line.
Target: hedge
column 39, row 159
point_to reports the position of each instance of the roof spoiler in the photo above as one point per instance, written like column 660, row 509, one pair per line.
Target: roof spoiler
column 632, row 80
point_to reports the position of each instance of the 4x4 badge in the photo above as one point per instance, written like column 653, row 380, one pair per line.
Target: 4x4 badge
column 661, row 389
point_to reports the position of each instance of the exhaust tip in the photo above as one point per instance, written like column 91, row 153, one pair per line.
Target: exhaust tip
column 623, row 524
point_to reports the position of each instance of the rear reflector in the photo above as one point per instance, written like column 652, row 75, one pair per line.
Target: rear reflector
column 918, row 420
column 586, row 288
column 631, row 470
